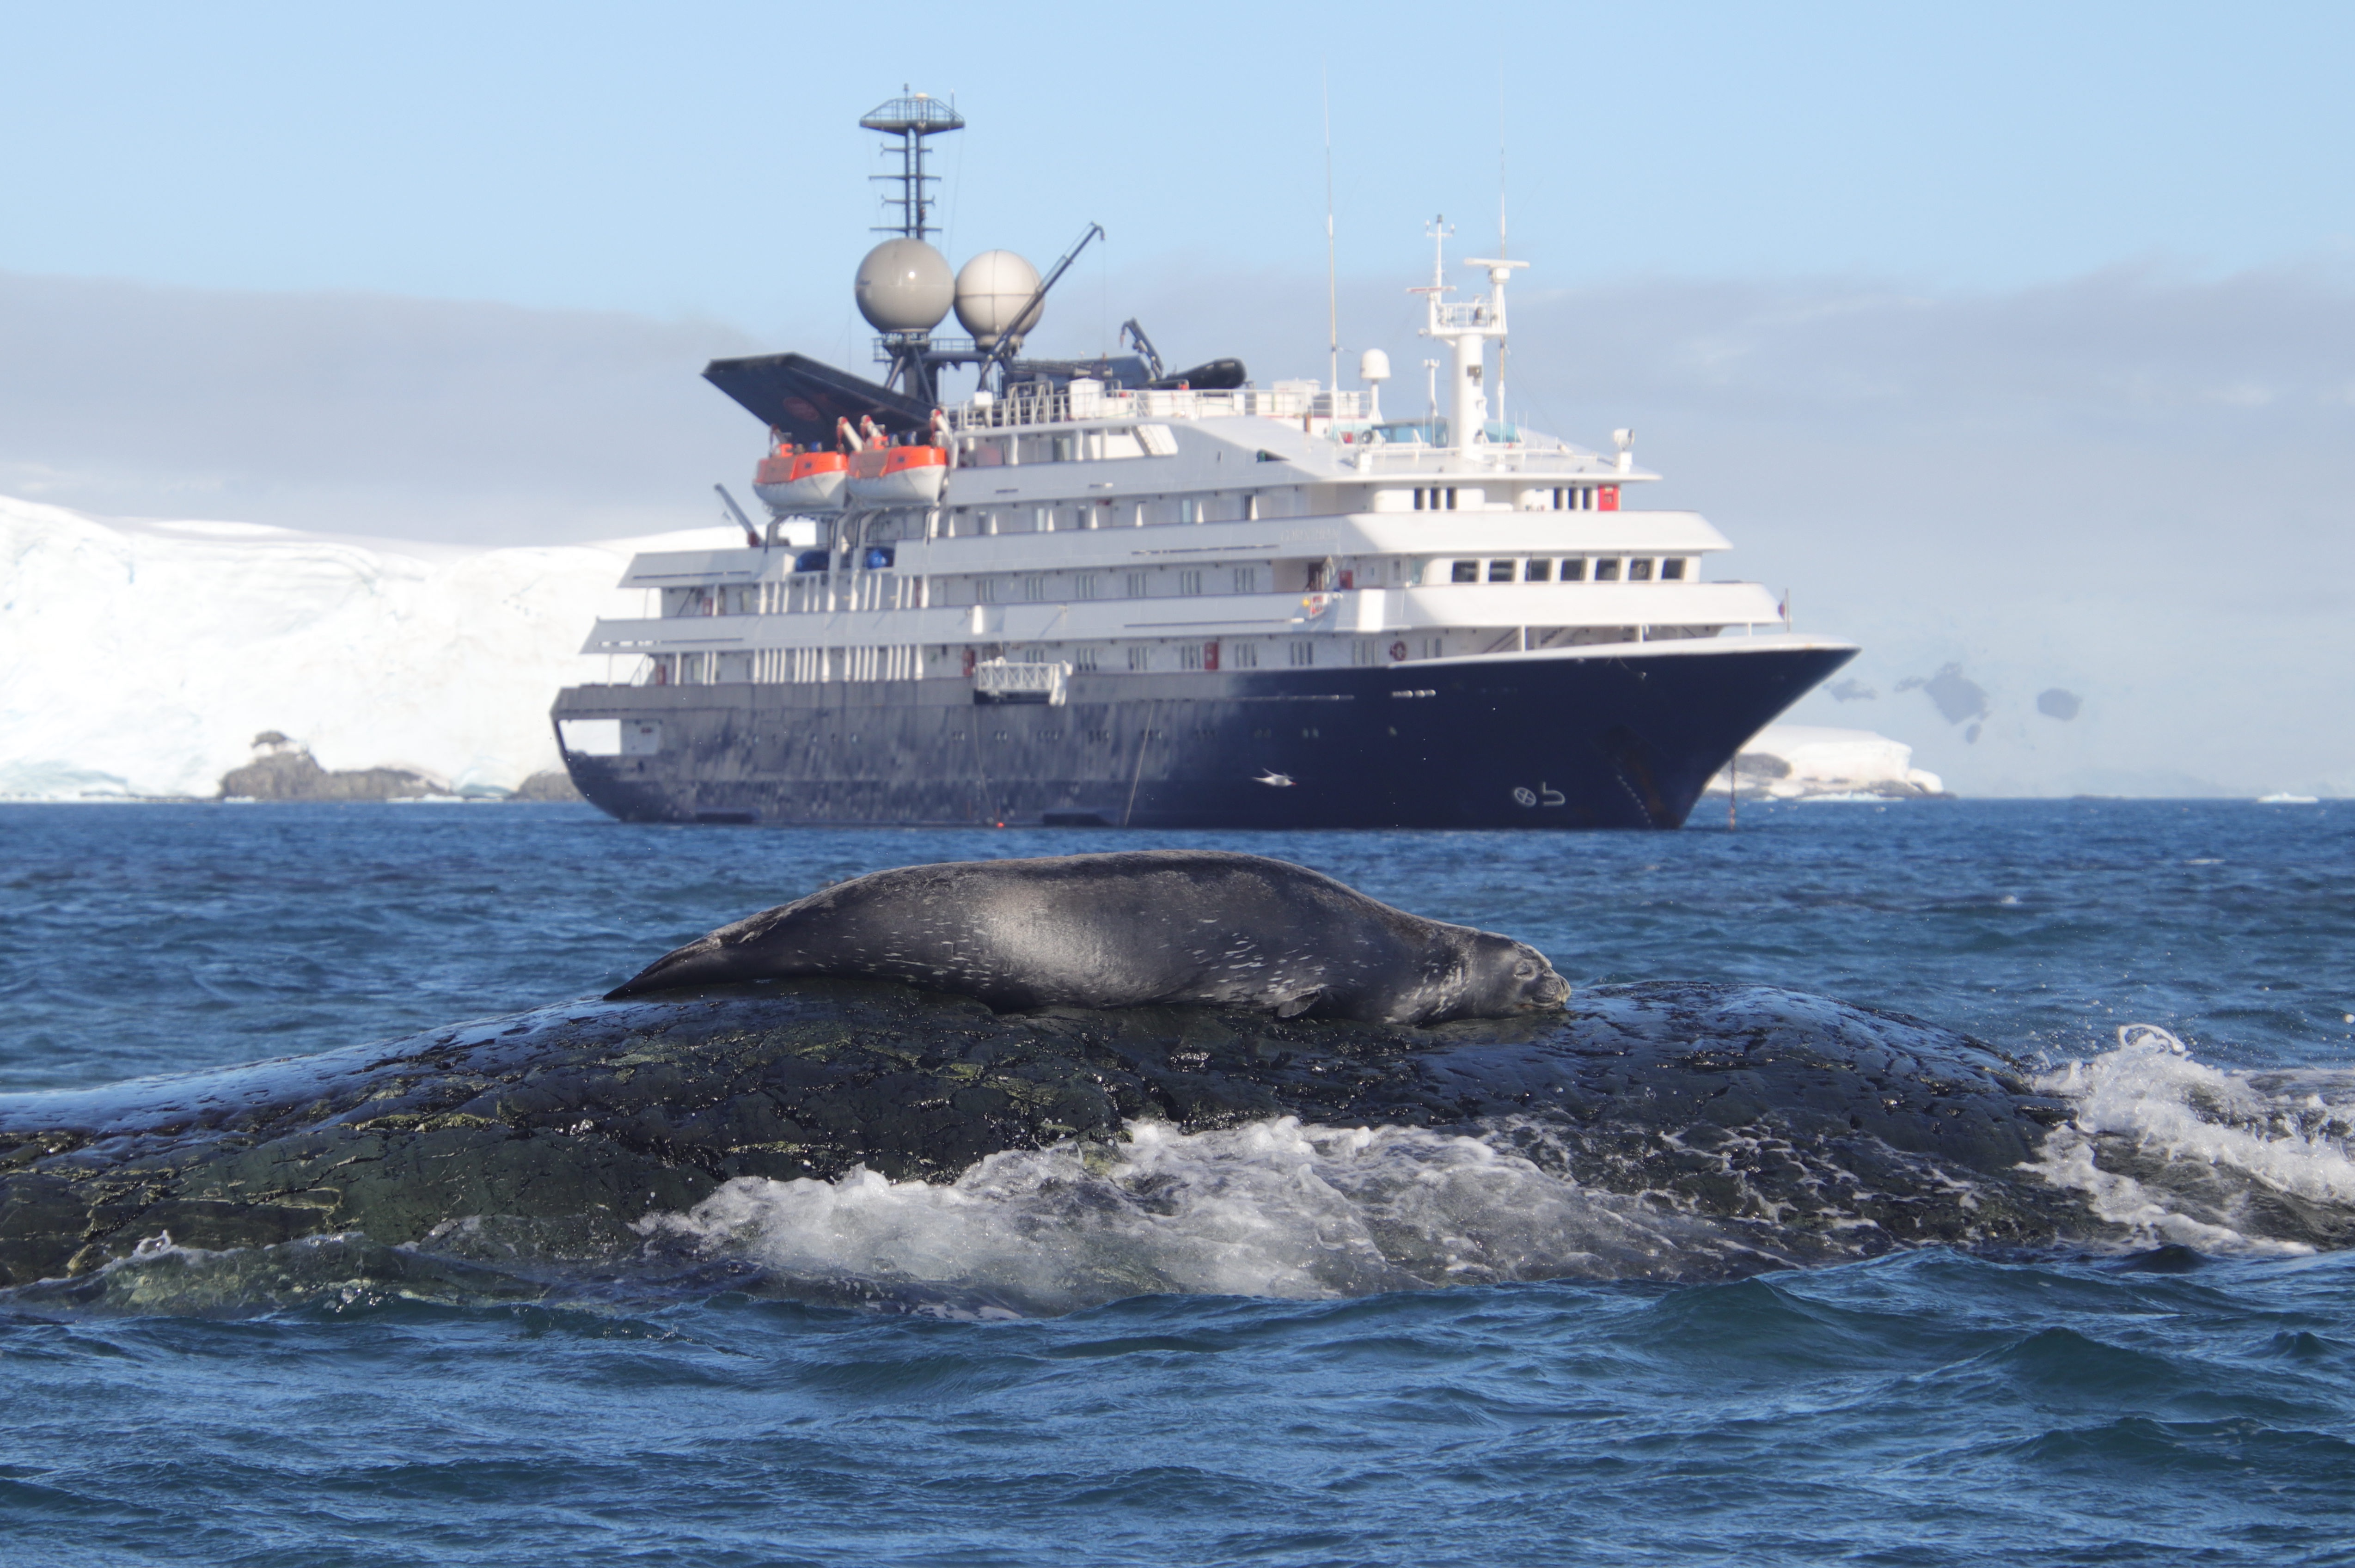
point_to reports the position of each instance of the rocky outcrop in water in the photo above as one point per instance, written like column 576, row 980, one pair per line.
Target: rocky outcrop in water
column 284, row 771
column 550, row 786
column 1819, row 1130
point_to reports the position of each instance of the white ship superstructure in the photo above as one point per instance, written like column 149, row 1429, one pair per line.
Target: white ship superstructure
column 1122, row 530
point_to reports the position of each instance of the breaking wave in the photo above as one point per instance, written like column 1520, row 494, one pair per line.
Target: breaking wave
column 2173, row 1151
column 1273, row 1207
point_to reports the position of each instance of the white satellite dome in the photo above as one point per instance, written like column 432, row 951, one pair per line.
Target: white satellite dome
column 991, row 289
column 904, row 286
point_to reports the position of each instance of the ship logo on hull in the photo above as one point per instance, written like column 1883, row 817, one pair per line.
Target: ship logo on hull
column 1542, row 796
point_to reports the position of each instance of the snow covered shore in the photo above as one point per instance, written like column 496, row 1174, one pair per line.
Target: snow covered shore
column 1798, row 761
column 141, row 658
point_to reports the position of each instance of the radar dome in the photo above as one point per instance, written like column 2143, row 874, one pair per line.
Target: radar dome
column 991, row 290
column 904, row 286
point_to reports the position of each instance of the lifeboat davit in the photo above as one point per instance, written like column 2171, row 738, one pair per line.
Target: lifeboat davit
column 898, row 475
column 803, row 482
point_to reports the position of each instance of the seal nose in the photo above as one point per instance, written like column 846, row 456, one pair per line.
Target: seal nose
column 1550, row 989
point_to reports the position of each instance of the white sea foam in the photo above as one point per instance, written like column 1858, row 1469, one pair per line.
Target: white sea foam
column 2175, row 1150
column 1270, row 1208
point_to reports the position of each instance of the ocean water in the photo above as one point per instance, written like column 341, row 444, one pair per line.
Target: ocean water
column 1268, row 1368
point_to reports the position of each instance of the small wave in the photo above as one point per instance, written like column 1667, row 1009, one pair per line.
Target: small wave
column 1272, row 1208
column 2175, row 1151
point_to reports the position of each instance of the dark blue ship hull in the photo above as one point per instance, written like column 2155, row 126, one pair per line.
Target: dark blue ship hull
column 1577, row 738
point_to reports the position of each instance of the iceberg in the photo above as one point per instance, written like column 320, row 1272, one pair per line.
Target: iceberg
column 1816, row 762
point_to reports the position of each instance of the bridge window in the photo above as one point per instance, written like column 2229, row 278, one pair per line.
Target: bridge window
column 1606, row 572
column 1539, row 572
column 1639, row 570
column 1672, row 570
column 1467, row 572
column 1501, row 571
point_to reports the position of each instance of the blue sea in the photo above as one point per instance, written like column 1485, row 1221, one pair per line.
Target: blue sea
column 2188, row 1399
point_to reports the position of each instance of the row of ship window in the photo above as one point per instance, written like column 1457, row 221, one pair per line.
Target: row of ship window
column 909, row 662
column 1571, row 569
column 1499, row 568
column 899, row 593
column 905, row 593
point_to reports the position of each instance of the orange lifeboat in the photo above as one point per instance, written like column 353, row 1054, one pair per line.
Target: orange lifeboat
column 802, row 481
column 898, row 475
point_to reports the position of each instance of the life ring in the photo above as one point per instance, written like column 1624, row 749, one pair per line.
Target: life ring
column 1398, row 653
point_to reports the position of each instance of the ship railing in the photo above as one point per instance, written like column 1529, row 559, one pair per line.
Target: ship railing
column 1010, row 681
column 1502, row 457
column 1083, row 399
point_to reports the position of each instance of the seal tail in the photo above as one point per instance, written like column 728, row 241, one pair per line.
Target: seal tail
column 703, row 962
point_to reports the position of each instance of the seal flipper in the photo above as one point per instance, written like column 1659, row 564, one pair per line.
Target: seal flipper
column 1293, row 1006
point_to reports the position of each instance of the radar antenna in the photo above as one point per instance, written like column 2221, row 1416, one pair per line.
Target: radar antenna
column 912, row 117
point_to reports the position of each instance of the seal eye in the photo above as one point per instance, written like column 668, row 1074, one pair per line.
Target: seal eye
column 1526, row 969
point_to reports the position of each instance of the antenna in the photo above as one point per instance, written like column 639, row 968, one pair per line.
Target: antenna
column 1501, row 250
column 912, row 117
column 1504, row 345
column 1332, row 278
column 1439, row 229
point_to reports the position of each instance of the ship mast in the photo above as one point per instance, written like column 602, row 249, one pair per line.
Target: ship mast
column 1466, row 326
column 912, row 117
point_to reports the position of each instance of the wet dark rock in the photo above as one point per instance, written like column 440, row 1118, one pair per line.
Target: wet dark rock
column 284, row 772
column 1830, row 1130
column 550, row 784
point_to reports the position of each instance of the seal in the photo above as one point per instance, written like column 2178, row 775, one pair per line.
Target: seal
column 1133, row 929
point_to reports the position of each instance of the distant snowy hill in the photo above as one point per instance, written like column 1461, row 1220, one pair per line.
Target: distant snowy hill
column 142, row 658
column 1801, row 761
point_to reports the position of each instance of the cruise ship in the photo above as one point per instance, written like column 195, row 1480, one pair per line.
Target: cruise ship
column 1099, row 594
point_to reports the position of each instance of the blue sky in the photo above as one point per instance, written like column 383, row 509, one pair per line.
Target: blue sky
column 700, row 160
